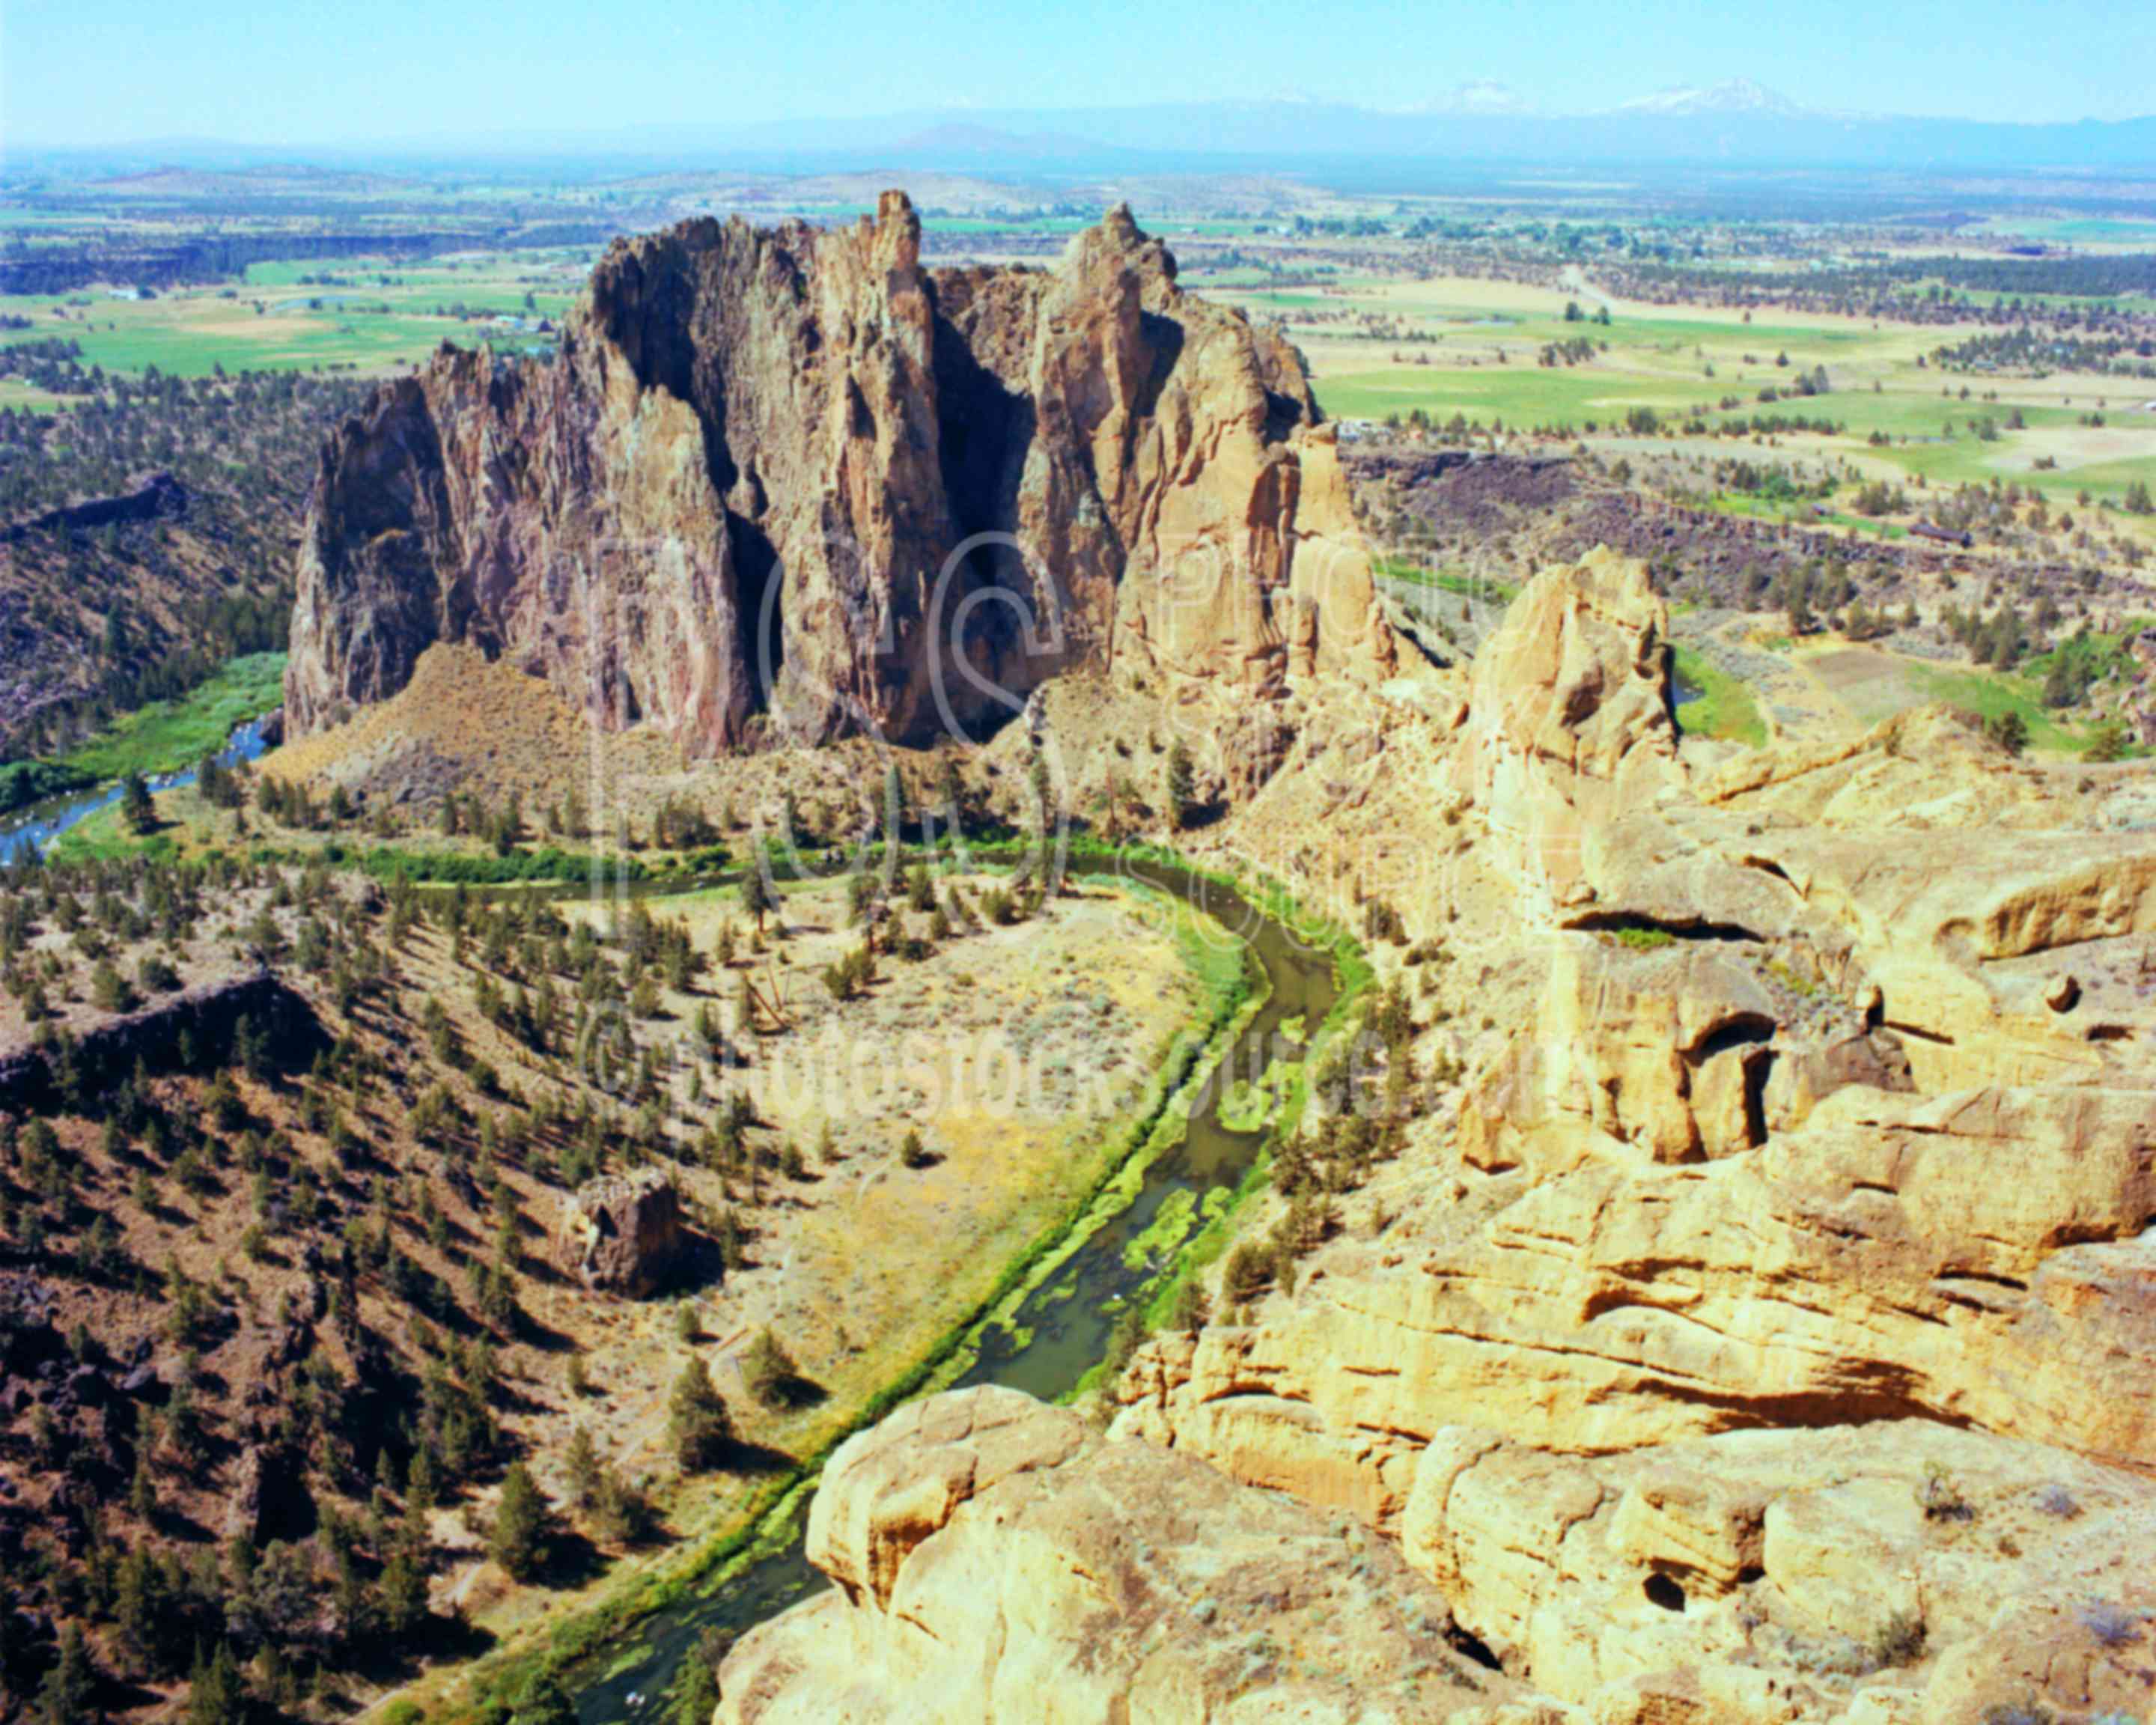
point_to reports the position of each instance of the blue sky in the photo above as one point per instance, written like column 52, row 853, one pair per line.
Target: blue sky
column 299, row 72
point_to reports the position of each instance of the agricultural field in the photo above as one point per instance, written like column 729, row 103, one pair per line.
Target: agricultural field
column 1384, row 348
column 366, row 315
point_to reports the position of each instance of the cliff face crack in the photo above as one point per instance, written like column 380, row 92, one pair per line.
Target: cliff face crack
column 1683, row 928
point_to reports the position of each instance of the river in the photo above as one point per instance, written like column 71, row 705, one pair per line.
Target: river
column 40, row 824
column 1058, row 1333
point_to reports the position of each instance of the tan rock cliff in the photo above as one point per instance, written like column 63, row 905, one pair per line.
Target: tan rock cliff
column 996, row 1560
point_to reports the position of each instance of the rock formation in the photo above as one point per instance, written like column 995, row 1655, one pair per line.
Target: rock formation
column 1569, row 715
column 1901, row 1570
column 790, row 479
column 1765, row 1330
column 995, row 1559
column 200, row 1023
column 623, row 1233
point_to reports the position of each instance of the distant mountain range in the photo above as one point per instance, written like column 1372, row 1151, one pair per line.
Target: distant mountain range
column 1735, row 122
column 1732, row 96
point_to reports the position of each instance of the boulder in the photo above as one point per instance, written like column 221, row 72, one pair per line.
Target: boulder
column 243, row 1502
column 623, row 1233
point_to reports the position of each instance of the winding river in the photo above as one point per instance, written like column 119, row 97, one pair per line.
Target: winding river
column 1058, row 1332
column 40, row 824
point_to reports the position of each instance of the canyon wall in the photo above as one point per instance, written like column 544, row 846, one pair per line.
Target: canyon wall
column 789, row 481
column 1753, row 1320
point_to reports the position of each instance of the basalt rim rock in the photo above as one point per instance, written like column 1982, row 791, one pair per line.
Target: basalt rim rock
column 786, row 479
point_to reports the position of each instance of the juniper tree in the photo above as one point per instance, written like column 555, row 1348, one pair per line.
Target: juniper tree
column 697, row 1422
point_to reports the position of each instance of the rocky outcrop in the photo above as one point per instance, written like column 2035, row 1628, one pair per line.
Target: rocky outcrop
column 996, row 1560
column 789, row 479
column 243, row 1499
column 623, row 1233
column 148, row 497
column 1569, row 718
column 1801, row 1131
column 1902, row 1571
column 1765, row 1330
column 1872, row 1264
column 1692, row 1049
column 193, row 1028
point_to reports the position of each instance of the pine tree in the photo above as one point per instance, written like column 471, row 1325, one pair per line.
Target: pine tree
column 1181, row 790
column 142, row 1491
column 768, row 1369
column 522, row 1522
column 583, row 1466
column 135, row 807
column 65, row 1695
column 621, row 1514
column 757, row 898
column 697, row 1420
column 214, row 1694
column 400, row 1592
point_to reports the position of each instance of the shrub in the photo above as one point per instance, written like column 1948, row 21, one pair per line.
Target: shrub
column 1898, row 1641
column 2110, row 1626
column 1941, row 1499
column 543, row 1703
column 768, row 1369
column 2108, row 741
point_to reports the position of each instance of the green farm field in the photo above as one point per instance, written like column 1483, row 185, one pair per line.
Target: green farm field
column 1469, row 346
column 361, row 315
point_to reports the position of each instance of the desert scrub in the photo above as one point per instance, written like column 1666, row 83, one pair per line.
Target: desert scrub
column 1941, row 1497
column 1803, row 987
column 2109, row 1626
column 2055, row 1501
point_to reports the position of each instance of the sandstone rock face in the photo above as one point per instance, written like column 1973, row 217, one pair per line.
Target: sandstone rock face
column 996, row 1560
column 1764, row 1331
column 623, row 1233
column 1569, row 715
column 1823, row 1152
column 789, row 479
column 1896, row 1571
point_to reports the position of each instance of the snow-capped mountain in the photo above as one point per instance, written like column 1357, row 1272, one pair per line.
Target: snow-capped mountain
column 1478, row 95
column 1732, row 96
